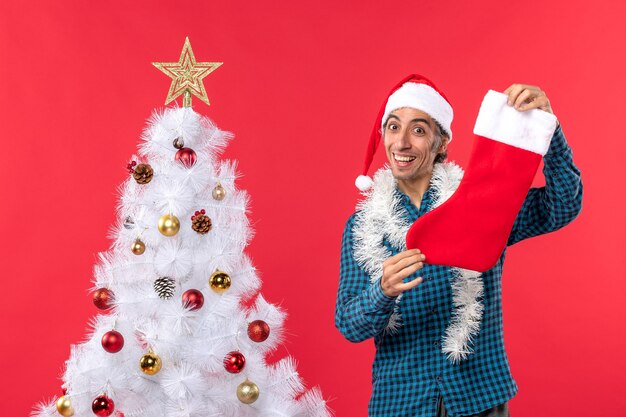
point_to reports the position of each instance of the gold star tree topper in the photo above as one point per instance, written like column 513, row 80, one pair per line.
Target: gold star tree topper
column 187, row 75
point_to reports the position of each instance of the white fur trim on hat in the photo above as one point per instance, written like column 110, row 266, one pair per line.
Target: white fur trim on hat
column 531, row 130
column 421, row 97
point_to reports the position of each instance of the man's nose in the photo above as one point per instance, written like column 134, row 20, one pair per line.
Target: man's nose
column 403, row 140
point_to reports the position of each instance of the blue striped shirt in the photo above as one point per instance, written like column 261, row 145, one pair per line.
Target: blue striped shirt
column 410, row 371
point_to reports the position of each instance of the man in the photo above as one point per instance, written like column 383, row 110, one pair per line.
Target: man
column 394, row 295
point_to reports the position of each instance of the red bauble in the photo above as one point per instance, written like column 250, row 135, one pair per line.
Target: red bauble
column 103, row 298
column 193, row 299
column 234, row 362
column 103, row 406
column 258, row 331
column 112, row 341
column 186, row 156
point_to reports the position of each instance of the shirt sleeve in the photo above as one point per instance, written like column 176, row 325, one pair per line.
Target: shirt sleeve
column 362, row 309
column 555, row 205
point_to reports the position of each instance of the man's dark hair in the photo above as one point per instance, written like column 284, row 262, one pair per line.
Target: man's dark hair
column 440, row 134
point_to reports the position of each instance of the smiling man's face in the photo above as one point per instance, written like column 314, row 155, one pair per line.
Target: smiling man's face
column 412, row 144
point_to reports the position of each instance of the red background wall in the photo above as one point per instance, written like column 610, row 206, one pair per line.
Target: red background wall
column 300, row 87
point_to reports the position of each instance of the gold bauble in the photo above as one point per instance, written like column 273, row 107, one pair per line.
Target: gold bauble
column 64, row 406
column 150, row 363
column 169, row 225
column 138, row 247
column 219, row 192
column 248, row 392
column 219, row 281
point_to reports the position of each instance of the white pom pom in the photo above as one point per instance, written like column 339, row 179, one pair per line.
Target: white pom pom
column 363, row 182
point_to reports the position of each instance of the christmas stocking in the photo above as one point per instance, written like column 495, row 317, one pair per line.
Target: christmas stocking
column 471, row 228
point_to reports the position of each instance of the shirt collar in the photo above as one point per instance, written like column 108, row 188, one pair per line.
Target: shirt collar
column 410, row 207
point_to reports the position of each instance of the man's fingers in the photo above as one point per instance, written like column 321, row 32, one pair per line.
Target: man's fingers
column 411, row 284
column 525, row 95
column 516, row 89
column 403, row 263
column 394, row 259
column 513, row 92
column 398, row 267
column 510, row 88
column 405, row 272
column 539, row 103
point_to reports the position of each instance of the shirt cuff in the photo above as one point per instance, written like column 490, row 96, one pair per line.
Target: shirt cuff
column 378, row 299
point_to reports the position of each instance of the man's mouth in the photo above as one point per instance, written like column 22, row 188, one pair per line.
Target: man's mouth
column 403, row 160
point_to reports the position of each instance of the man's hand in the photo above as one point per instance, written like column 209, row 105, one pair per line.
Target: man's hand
column 525, row 97
column 398, row 267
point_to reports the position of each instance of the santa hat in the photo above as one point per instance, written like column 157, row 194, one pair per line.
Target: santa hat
column 417, row 92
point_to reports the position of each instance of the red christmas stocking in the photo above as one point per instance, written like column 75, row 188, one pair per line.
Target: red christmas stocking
column 471, row 228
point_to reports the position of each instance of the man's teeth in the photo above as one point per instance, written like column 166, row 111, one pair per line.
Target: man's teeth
column 403, row 158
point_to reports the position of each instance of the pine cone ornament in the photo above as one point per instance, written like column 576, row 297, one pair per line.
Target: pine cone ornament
column 200, row 222
column 143, row 173
column 164, row 287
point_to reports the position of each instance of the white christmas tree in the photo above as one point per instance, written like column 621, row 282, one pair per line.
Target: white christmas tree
column 175, row 337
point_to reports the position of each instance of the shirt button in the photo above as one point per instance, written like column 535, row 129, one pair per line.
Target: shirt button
column 438, row 378
column 433, row 310
column 436, row 343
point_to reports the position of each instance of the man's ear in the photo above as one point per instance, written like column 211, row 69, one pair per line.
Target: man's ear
column 444, row 144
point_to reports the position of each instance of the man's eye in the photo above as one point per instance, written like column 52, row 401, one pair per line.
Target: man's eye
column 418, row 130
column 392, row 127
